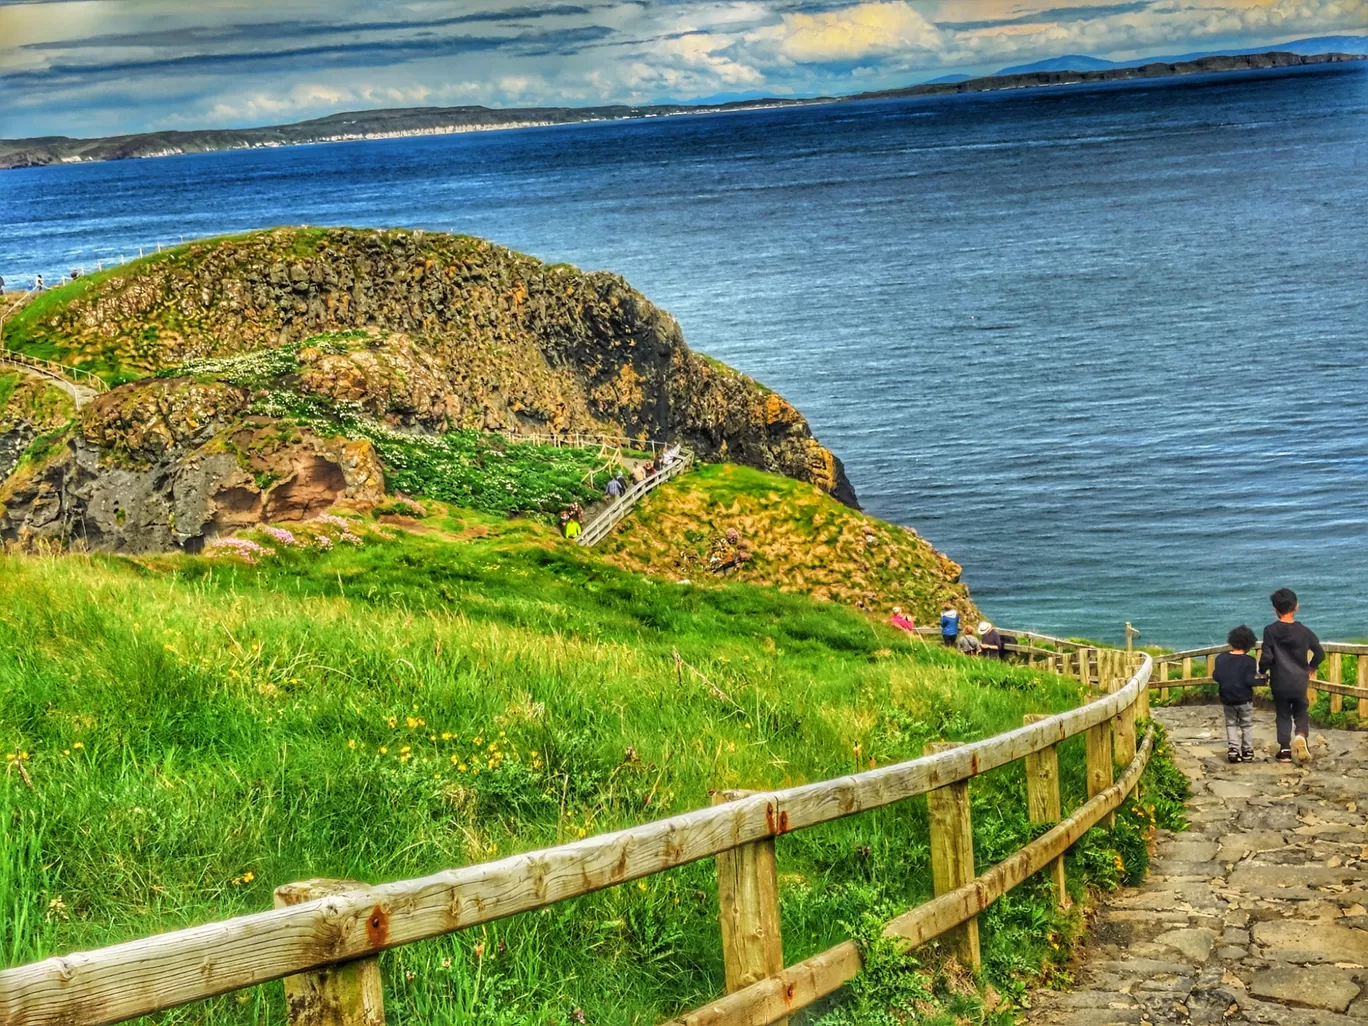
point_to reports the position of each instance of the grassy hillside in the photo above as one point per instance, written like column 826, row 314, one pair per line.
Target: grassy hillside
column 795, row 537
column 183, row 733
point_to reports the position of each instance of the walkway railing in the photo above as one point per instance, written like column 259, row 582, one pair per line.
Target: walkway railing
column 324, row 935
column 586, row 440
column 598, row 528
column 81, row 385
column 1333, row 682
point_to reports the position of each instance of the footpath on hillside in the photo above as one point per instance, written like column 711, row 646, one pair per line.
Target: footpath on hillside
column 1258, row 914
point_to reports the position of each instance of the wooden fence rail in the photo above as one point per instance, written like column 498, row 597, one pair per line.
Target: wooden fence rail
column 598, row 528
column 321, row 925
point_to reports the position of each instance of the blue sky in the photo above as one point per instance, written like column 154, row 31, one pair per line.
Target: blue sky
column 101, row 67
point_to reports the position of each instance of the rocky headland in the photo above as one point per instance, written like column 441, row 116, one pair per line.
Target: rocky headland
column 265, row 377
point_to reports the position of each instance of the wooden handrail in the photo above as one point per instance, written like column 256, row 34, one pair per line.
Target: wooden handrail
column 597, row 529
column 71, row 375
column 806, row 982
column 140, row 977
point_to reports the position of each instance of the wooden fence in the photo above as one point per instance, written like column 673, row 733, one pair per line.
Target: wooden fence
column 79, row 384
column 323, row 936
column 1333, row 682
column 597, row 529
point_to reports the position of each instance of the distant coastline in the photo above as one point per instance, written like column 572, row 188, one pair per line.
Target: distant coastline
column 403, row 123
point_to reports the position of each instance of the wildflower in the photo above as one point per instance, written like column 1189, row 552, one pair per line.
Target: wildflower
column 454, row 760
column 281, row 535
column 350, row 538
column 412, row 721
column 384, row 749
column 479, row 949
column 78, row 744
column 324, row 542
column 66, row 751
column 447, row 735
column 446, row 963
column 409, row 975
column 351, row 742
column 328, row 518
column 390, row 722
column 405, row 750
column 461, row 768
column 248, row 876
column 641, row 886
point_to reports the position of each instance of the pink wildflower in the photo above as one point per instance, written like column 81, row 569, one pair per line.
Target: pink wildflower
column 323, row 542
column 244, row 548
column 281, row 535
column 350, row 538
column 329, row 518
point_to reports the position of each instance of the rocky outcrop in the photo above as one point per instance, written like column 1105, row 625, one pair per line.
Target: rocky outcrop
column 493, row 340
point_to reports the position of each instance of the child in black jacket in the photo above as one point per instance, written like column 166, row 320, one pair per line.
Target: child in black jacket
column 1236, row 674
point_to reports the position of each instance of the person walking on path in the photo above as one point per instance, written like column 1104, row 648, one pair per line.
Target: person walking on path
column 949, row 622
column 990, row 641
column 617, row 487
column 1291, row 653
column 1236, row 674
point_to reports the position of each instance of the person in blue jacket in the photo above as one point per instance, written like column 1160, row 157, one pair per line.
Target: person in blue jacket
column 949, row 625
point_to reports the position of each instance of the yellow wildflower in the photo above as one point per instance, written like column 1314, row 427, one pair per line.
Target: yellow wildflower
column 78, row 744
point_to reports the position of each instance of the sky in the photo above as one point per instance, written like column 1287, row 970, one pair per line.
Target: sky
column 104, row 67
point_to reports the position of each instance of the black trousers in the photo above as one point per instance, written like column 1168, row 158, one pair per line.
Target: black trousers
column 1291, row 710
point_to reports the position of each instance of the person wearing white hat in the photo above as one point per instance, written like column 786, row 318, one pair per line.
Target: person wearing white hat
column 990, row 641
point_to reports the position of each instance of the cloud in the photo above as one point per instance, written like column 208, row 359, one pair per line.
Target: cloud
column 851, row 33
column 100, row 66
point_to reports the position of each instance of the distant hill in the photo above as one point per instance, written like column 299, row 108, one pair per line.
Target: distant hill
column 399, row 123
column 1082, row 62
column 1068, row 62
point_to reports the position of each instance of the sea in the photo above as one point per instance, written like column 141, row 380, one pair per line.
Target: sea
column 1107, row 347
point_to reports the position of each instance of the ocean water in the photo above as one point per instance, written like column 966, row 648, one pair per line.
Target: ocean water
column 1104, row 346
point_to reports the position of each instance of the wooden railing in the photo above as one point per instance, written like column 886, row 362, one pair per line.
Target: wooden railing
column 324, row 935
column 1333, row 683
column 587, row 440
column 598, row 528
column 79, row 384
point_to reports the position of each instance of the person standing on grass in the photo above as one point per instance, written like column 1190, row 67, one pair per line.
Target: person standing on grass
column 1236, row 674
column 1291, row 653
column 949, row 622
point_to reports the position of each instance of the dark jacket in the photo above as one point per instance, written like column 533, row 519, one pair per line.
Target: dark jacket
column 1290, row 653
column 1236, row 676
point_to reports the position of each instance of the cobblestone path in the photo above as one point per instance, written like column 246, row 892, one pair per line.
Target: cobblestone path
column 1258, row 914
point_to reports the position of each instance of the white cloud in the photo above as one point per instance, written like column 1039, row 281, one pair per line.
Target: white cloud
column 851, row 33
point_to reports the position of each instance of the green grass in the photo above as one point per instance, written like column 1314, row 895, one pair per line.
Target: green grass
column 198, row 730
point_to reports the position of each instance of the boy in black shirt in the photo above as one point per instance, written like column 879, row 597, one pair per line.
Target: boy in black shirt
column 1291, row 652
column 1236, row 674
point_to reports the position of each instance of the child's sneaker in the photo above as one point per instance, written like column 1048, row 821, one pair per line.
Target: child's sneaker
column 1247, row 755
column 1233, row 755
column 1284, row 755
column 1299, row 750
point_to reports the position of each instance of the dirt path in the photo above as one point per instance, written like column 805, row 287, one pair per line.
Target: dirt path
column 1259, row 914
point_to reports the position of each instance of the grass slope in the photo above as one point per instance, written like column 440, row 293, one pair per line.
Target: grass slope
column 197, row 730
column 801, row 539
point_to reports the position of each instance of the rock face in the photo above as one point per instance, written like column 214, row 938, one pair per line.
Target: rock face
column 454, row 332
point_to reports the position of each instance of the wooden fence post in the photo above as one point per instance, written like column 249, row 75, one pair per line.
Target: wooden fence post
column 1142, row 702
column 1187, row 668
column 1336, row 677
column 1362, row 662
column 346, row 994
column 952, row 854
column 1042, row 800
column 1099, row 755
column 1085, row 666
column 1123, row 737
column 748, row 893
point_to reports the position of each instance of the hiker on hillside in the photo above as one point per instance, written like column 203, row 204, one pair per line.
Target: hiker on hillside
column 1236, row 674
column 969, row 645
column 617, row 487
column 1291, row 653
column 990, row 641
column 949, row 623
column 37, row 283
column 906, row 623
column 639, row 473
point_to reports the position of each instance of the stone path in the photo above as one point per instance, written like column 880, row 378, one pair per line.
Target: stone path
column 1258, row 914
